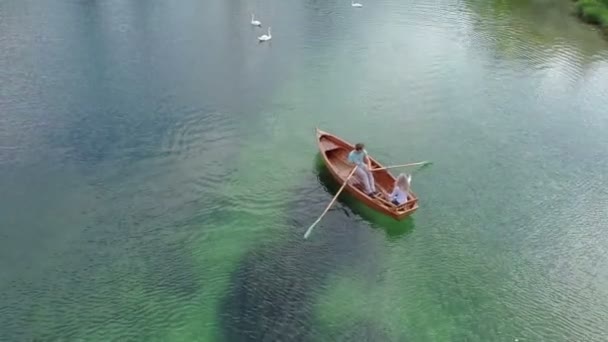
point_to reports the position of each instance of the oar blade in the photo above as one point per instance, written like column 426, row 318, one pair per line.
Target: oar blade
column 309, row 230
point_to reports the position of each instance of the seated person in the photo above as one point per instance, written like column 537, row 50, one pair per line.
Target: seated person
column 359, row 157
column 400, row 192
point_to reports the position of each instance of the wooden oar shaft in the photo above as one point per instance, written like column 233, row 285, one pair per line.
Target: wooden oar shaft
column 403, row 165
column 330, row 203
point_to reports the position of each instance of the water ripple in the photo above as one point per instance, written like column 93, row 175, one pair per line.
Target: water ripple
column 199, row 132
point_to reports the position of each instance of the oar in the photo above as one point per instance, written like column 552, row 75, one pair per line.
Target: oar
column 330, row 203
column 403, row 165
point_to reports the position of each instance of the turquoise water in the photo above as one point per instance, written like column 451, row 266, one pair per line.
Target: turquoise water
column 158, row 170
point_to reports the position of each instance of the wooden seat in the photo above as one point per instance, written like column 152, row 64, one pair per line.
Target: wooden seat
column 329, row 145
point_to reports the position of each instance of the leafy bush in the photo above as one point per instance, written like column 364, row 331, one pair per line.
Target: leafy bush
column 594, row 11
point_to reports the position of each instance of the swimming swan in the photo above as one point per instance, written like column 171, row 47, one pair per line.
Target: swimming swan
column 265, row 37
column 255, row 22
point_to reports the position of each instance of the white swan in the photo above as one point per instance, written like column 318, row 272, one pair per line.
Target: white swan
column 355, row 4
column 265, row 37
column 255, row 22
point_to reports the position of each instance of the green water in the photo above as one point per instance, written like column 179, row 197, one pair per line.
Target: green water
column 158, row 170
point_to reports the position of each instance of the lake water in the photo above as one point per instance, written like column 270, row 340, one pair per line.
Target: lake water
column 158, row 169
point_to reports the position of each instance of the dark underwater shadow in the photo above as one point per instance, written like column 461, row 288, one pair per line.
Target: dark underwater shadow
column 393, row 228
column 272, row 292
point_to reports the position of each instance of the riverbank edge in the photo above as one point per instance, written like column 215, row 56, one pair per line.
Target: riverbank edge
column 594, row 12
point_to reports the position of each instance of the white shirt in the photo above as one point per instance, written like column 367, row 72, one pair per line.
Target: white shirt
column 399, row 195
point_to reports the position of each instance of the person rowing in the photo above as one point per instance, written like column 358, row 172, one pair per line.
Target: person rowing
column 359, row 157
column 401, row 189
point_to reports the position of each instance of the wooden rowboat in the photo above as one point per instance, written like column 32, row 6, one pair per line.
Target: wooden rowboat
column 335, row 153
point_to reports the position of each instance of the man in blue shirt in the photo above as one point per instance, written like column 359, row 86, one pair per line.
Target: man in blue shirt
column 359, row 157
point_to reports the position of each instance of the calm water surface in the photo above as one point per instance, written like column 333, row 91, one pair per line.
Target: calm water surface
column 158, row 169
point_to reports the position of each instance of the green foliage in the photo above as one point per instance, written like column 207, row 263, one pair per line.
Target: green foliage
column 594, row 11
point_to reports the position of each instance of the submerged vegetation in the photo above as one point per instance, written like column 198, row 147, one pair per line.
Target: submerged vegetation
column 594, row 12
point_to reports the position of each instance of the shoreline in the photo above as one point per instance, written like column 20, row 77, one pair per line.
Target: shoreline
column 594, row 12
